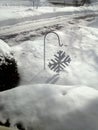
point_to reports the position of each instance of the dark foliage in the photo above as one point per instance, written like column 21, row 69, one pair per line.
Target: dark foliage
column 85, row 2
column 7, row 123
column 20, row 126
column 9, row 77
column 76, row 3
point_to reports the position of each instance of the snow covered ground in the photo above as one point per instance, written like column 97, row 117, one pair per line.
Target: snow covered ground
column 46, row 100
column 45, row 107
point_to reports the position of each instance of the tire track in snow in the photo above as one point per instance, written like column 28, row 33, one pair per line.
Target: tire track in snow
column 31, row 25
column 16, row 26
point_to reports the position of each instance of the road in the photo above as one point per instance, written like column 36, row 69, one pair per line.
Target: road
column 15, row 26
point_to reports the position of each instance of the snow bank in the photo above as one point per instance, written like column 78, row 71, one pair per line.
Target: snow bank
column 5, row 50
column 50, row 107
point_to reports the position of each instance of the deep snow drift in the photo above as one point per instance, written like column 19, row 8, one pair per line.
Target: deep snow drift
column 50, row 107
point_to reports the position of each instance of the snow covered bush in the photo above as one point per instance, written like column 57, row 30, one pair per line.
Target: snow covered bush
column 9, row 77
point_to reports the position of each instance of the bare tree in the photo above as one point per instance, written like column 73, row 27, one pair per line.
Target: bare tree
column 85, row 2
column 35, row 3
column 76, row 3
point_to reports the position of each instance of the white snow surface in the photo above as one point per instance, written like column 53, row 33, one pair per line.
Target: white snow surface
column 5, row 50
column 45, row 100
column 51, row 107
column 83, row 67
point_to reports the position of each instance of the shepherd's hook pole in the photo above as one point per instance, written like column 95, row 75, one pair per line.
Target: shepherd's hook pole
column 45, row 46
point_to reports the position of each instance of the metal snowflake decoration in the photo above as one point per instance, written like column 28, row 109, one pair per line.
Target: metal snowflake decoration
column 60, row 62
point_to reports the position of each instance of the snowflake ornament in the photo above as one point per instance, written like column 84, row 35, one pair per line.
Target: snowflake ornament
column 60, row 62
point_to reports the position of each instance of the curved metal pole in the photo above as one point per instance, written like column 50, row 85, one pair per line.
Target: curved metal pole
column 45, row 46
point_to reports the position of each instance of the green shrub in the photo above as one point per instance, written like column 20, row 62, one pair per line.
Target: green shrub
column 9, row 76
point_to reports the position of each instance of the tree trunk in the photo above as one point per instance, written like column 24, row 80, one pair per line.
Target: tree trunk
column 85, row 2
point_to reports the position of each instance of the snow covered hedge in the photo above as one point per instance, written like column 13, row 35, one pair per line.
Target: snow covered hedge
column 9, row 77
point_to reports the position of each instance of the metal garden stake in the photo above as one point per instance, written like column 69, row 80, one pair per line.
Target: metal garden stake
column 45, row 46
column 60, row 61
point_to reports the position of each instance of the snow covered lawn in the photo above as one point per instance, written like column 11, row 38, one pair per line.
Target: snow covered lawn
column 50, row 107
column 46, row 100
column 84, row 54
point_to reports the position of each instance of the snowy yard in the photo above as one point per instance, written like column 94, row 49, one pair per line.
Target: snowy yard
column 44, row 99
